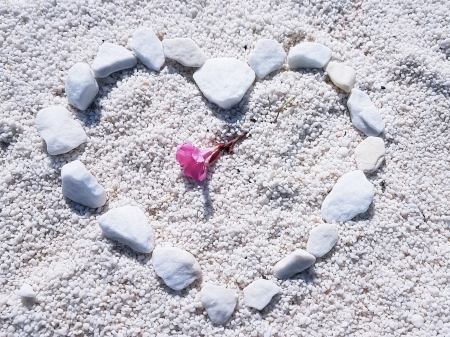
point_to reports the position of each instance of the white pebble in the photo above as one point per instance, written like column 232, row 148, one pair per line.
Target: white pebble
column 218, row 301
column 128, row 225
column 60, row 131
column 111, row 58
column 369, row 155
column 175, row 266
column 351, row 195
column 26, row 291
column 342, row 76
column 80, row 186
column 293, row 263
column 148, row 48
column 417, row 320
column 309, row 55
column 259, row 293
column 224, row 81
column 184, row 51
column 81, row 86
column 268, row 56
column 365, row 115
column 322, row 239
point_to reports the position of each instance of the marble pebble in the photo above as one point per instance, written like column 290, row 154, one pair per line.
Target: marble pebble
column 259, row 293
column 128, row 225
column 26, row 291
column 80, row 186
column 60, row 131
column 417, row 320
column 321, row 239
column 309, row 55
column 81, row 86
column 178, row 268
column 112, row 58
column 184, row 51
column 293, row 263
column 148, row 48
column 219, row 302
column 268, row 56
column 369, row 154
column 224, row 81
column 342, row 76
column 365, row 115
column 351, row 195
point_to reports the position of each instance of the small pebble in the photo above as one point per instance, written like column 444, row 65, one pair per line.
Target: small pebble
column 268, row 56
column 259, row 293
column 417, row 320
column 26, row 291
column 148, row 48
column 219, row 302
column 112, row 58
column 81, row 86
column 342, row 76
column 369, row 155
column 8, row 129
column 309, row 55
column 293, row 264
column 184, row 51
column 365, row 115
column 322, row 239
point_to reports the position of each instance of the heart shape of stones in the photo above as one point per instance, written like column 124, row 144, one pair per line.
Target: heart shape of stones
column 223, row 81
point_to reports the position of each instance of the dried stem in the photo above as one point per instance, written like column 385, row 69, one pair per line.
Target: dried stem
column 282, row 107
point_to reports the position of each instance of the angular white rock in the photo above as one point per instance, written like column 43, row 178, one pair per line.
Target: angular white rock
column 224, row 81
column 293, row 264
column 322, row 239
column 351, row 195
column 369, row 155
column 148, row 48
column 259, row 293
column 268, row 56
column 365, row 115
column 309, row 55
column 184, row 51
column 111, row 58
column 176, row 267
column 342, row 76
column 80, row 186
column 26, row 291
column 128, row 225
column 60, row 131
column 219, row 302
column 81, row 86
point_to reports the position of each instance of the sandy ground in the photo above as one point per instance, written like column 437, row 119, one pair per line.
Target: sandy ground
column 387, row 276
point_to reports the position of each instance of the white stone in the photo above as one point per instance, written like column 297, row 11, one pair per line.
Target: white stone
column 365, row 115
column 259, row 293
column 293, row 264
column 184, row 51
column 351, row 195
column 112, row 58
column 81, row 86
column 80, row 186
column 369, row 155
column 148, row 48
column 218, row 301
column 26, row 291
column 417, row 320
column 309, row 55
column 268, row 56
column 176, row 267
column 60, row 131
column 128, row 225
column 342, row 76
column 224, row 81
column 322, row 239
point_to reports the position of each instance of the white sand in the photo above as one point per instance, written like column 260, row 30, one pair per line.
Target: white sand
column 389, row 273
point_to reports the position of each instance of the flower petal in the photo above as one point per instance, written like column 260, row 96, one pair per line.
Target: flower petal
column 184, row 154
column 196, row 171
column 200, row 155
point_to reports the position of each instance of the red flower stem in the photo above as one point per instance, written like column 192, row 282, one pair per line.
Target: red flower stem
column 229, row 145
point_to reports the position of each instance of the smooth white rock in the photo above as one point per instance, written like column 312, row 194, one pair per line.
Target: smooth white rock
column 224, row 81
column 351, row 195
column 218, row 301
column 128, row 225
column 81, row 86
column 365, row 115
column 60, row 131
column 259, row 293
column 309, row 55
column 184, row 51
column 369, row 154
column 148, row 48
column 268, row 56
column 26, row 291
column 80, row 186
column 322, row 239
column 293, row 263
column 417, row 320
column 342, row 76
column 175, row 266
column 111, row 58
